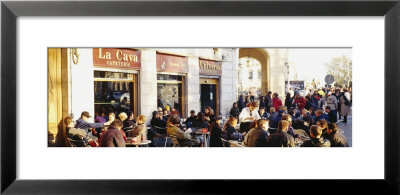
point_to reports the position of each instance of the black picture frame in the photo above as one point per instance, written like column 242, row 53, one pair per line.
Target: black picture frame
column 10, row 10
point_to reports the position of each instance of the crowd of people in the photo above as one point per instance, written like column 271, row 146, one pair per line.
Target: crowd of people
column 309, row 121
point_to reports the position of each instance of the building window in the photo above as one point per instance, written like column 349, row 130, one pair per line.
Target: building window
column 114, row 92
column 250, row 75
column 170, row 92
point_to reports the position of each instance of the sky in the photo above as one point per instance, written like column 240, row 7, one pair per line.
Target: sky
column 310, row 63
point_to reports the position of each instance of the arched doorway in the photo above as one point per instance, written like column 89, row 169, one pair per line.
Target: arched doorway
column 262, row 56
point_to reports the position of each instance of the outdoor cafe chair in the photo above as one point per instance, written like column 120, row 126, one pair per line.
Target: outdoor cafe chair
column 225, row 143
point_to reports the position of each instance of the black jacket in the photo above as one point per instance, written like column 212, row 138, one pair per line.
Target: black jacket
column 157, row 122
column 234, row 112
column 337, row 139
column 215, row 136
column 316, row 142
column 199, row 124
column 230, row 133
column 280, row 139
column 256, row 138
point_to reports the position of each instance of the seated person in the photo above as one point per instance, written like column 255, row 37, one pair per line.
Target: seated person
column 184, row 138
column 140, row 129
column 263, row 114
column 189, row 121
column 308, row 121
column 83, row 123
column 298, row 126
column 127, row 122
column 316, row 138
column 281, row 138
column 215, row 132
column 200, row 121
column 208, row 114
column 113, row 137
column 257, row 137
column 229, row 132
column 288, row 118
column 274, row 121
column 336, row 138
column 319, row 114
column 323, row 124
column 157, row 121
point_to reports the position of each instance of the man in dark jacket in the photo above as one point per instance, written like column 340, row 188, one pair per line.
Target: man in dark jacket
column 113, row 136
column 235, row 111
column 241, row 103
column 268, row 100
column 336, row 138
column 257, row 137
column 316, row 138
column 191, row 118
column 281, row 138
column 83, row 123
column 157, row 121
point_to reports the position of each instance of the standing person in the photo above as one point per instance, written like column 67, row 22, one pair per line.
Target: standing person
column 299, row 101
column 208, row 114
column 291, row 92
column 247, row 116
column 308, row 103
column 315, row 101
column 281, row 138
column 268, row 101
column 262, row 102
column 316, row 139
column 288, row 100
column 251, row 94
column 331, row 115
column 113, row 136
column 257, row 137
column 235, row 110
column 338, row 95
column 345, row 105
column 246, row 101
column 332, row 102
column 241, row 103
column 336, row 138
column 276, row 102
column 216, row 132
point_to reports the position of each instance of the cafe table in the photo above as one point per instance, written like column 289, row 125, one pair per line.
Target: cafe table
column 137, row 144
column 205, row 135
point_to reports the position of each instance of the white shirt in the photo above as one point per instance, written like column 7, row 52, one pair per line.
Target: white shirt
column 246, row 113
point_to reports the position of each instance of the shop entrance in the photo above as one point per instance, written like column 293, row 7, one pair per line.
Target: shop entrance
column 209, row 94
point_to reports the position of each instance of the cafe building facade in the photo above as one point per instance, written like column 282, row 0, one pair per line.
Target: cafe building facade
column 140, row 80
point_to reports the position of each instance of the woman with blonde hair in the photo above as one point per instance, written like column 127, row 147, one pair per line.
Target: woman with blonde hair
column 140, row 128
column 208, row 113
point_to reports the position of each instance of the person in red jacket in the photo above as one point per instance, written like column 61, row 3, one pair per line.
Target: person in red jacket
column 300, row 101
column 276, row 101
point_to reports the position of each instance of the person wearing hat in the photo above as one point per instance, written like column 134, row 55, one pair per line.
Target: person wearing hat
column 184, row 137
column 83, row 123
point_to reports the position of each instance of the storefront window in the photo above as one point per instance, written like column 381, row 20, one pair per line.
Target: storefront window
column 169, row 92
column 113, row 92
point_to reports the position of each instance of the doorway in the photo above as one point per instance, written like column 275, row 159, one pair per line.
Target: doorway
column 209, row 94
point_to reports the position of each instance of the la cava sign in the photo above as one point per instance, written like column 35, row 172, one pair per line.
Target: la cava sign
column 116, row 58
